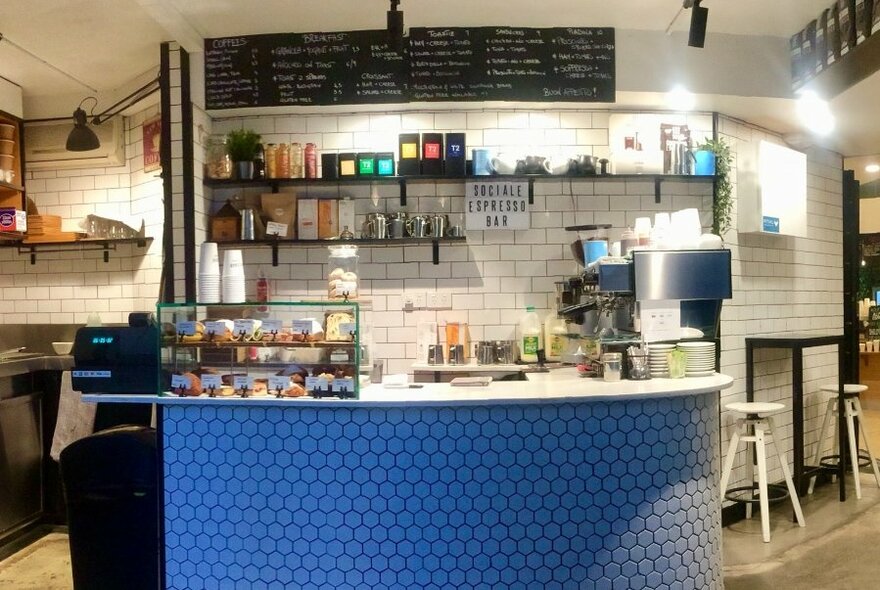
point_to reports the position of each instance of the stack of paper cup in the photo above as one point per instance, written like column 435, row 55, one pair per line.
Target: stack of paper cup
column 209, row 274
column 233, row 277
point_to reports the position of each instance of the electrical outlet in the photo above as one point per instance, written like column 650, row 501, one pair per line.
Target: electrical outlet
column 409, row 302
column 420, row 300
column 444, row 300
column 431, row 300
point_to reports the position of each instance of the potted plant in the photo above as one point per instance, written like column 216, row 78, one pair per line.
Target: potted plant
column 242, row 147
column 722, row 205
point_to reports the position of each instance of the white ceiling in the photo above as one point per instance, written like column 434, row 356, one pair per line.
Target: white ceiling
column 108, row 44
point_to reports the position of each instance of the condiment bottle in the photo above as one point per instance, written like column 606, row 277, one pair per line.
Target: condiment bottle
column 271, row 161
column 311, row 161
column 296, row 160
column 283, row 161
column 259, row 163
column 262, row 291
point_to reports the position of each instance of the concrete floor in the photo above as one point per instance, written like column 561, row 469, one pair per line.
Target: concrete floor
column 837, row 549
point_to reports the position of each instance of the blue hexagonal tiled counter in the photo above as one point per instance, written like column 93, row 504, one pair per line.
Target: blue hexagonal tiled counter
column 615, row 494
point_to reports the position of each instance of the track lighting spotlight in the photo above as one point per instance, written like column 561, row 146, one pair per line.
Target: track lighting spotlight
column 699, row 18
column 395, row 26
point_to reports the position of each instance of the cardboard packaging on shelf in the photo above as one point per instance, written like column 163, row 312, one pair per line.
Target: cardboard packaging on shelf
column 307, row 219
column 328, row 219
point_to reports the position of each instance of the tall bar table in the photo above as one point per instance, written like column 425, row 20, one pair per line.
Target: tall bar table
column 797, row 343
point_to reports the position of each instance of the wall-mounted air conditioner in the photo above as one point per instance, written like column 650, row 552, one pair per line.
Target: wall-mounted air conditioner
column 44, row 145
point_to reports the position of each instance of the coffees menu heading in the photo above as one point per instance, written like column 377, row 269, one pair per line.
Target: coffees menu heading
column 437, row 64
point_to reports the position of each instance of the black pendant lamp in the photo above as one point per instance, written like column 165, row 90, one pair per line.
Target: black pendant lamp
column 82, row 138
column 699, row 19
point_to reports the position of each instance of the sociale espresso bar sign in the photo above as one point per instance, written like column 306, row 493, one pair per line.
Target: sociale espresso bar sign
column 497, row 205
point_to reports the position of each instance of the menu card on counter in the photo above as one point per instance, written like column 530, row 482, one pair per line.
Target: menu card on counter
column 347, row 67
column 441, row 64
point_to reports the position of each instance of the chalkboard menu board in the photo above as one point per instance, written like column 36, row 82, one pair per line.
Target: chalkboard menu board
column 506, row 63
column 441, row 64
column 873, row 322
column 353, row 67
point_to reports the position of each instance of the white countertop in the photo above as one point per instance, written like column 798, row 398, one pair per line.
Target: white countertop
column 468, row 368
column 558, row 385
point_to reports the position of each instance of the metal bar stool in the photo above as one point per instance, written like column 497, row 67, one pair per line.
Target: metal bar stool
column 852, row 411
column 756, row 428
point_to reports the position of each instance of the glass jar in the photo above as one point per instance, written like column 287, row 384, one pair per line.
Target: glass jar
column 296, row 161
column 612, row 366
column 342, row 280
column 271, row 161
column 283, row 161
column 310, row 156
column 217, row 161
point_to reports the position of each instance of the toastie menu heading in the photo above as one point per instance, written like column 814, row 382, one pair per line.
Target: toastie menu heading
column 573, row 64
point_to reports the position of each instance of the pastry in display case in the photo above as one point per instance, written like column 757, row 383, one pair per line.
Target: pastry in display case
column 282, row 349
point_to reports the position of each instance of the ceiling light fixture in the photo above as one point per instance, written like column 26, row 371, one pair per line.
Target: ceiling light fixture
column 872, row 168
column 681, row 99
column 82, row 138
column 814, row 113
column 699, row 19
column 395, row 26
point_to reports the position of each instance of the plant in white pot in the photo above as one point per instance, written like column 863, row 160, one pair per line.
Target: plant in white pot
column 242, row 147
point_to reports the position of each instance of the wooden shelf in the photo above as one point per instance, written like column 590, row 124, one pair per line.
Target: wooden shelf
column 6, row 187
column 276, row 243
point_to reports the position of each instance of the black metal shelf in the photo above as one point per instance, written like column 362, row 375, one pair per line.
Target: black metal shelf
column 105, row 245
column 276, row 243
column 275, row 183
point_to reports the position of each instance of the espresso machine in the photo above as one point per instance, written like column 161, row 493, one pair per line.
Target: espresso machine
column 606, row 300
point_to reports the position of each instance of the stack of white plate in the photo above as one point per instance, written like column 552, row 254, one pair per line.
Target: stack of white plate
column 658, row 360
column 209, row 274
column 233, row 277
column 700, row 358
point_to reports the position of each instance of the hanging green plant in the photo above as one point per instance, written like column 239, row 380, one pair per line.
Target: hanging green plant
column 722, row 206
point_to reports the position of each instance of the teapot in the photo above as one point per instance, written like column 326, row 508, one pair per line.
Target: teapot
column 503, row 164
column 533, row 165
column 374, row 227
column 584, row 164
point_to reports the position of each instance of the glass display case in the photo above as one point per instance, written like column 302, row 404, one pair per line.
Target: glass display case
column 282, row 349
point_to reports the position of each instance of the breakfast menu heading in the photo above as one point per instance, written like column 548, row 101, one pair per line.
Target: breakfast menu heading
column 436, row 64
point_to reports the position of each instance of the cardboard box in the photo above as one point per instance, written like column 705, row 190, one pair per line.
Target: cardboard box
column 328, row 219
column 307, row 219
column 13, row 220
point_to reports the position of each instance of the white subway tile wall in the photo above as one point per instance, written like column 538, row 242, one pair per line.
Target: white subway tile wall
column 65, row 287
column 497, row 273
column 780, row 284
column 785, row 284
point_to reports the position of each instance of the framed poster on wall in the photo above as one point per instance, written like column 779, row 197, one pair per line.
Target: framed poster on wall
column 152, row 139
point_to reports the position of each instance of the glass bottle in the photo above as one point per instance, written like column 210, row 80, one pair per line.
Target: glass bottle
column 271, row 161
column 260, row 163
column 296, row 161
column 283, row 159
column 311, row 161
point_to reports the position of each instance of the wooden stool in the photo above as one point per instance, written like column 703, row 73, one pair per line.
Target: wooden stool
column 852, row 408
column 756, row 428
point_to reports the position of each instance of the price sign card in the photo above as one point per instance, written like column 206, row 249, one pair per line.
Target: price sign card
column 244, row 328
column 343, row 385
column 278, row 383
column 347, row 329
column 313, row 383
column 302, row 326
column 210, row 382
column 272, row 326
column 274, row 228
column 180, row 382
column 215, row 328
column 243, row 382
column 186, row 328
